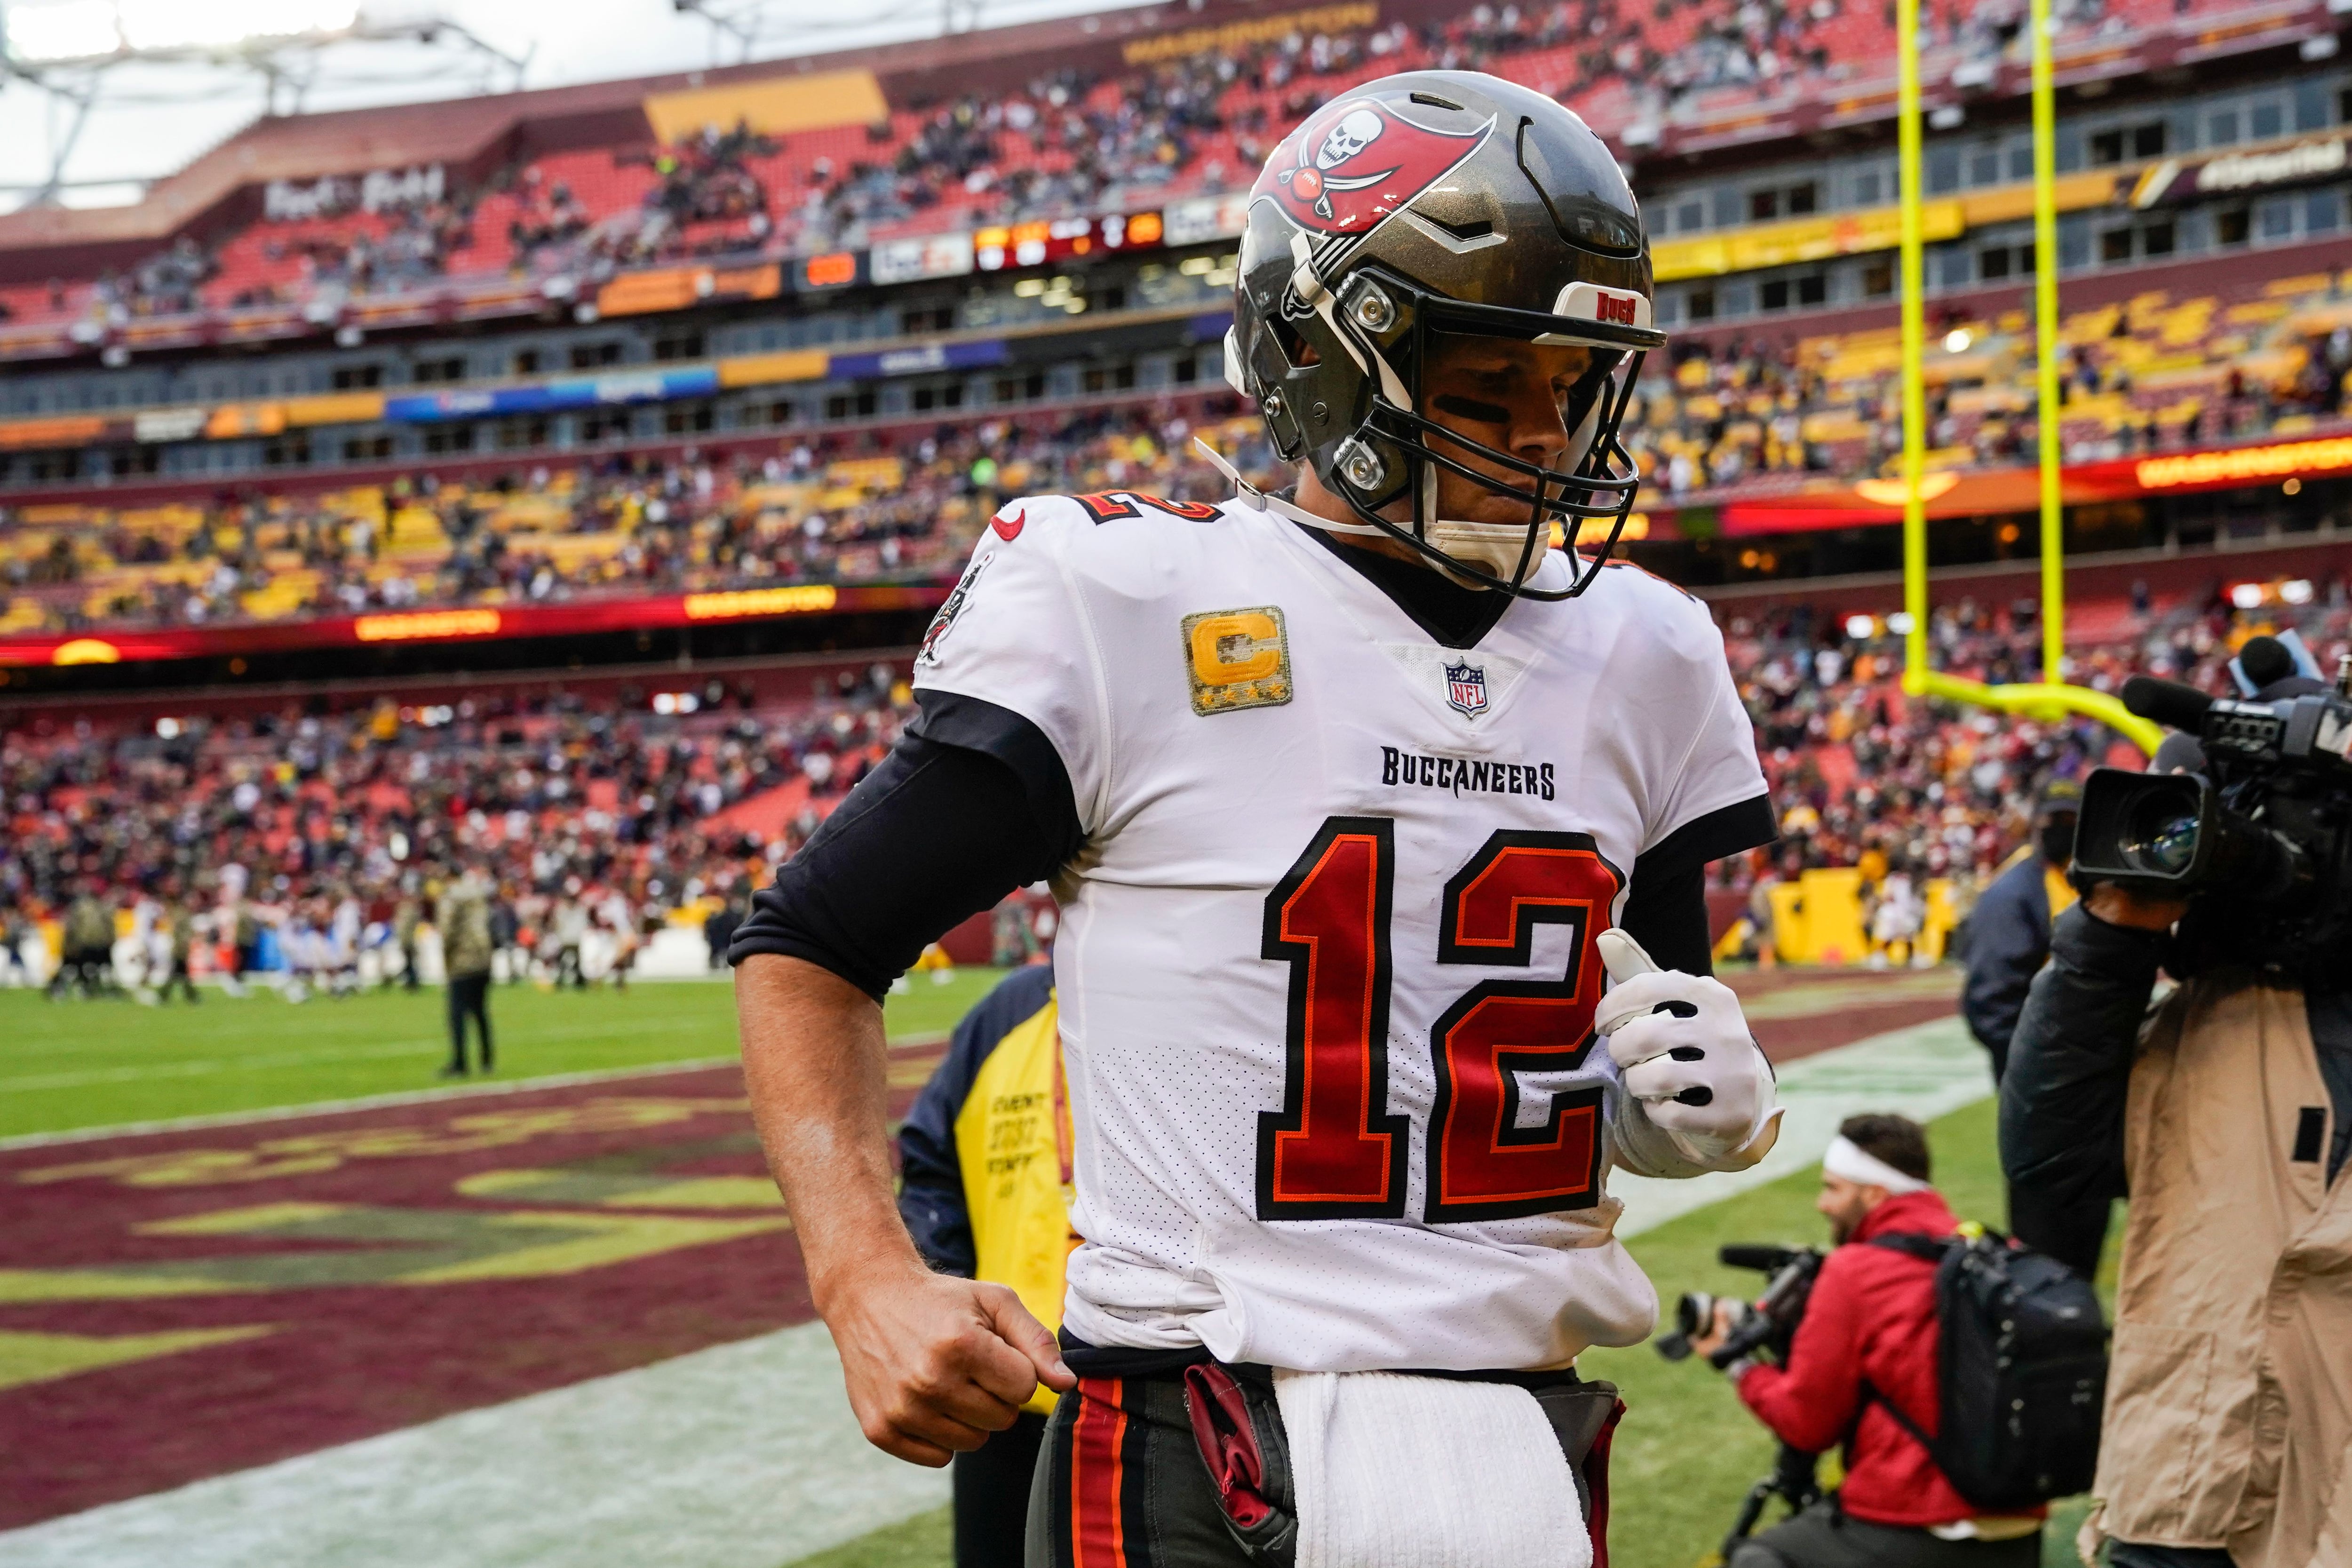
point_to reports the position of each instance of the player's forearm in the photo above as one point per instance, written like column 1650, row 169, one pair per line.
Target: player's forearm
column 813, row 1061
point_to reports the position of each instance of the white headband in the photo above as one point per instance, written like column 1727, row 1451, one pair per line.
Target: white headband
column 1846, row 1158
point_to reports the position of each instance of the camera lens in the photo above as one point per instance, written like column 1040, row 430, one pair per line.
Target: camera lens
column 2160, row 834
column 2167, row 848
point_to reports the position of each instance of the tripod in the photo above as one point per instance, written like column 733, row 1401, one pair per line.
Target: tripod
column 1792, row 1481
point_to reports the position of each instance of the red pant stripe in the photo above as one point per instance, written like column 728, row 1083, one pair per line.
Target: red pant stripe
column 1098, row 1438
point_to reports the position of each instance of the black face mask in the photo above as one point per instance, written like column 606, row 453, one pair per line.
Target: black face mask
column 2057, row 839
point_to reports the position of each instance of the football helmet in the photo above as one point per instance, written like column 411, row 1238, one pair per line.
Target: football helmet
column 1432, row 202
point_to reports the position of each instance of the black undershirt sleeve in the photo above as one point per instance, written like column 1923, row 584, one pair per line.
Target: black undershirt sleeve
column 1667, row 915
column 939, row 831
column 1665, row 903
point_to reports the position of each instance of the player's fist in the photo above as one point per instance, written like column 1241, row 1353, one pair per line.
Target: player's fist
column 935, row 1364
column 1682, row 1048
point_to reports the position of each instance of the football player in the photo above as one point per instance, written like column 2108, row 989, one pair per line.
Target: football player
column 1342, row 791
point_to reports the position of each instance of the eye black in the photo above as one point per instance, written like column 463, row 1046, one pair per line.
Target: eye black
column 1471, row 408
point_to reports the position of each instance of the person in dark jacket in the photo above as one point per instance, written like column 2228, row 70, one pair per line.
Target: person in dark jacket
column 2009, row 931
column 1869, row 1336
column 984, row 1154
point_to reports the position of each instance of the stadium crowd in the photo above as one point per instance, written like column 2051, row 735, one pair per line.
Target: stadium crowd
column 321, row 836
column 827, row 509
column 2157, row 373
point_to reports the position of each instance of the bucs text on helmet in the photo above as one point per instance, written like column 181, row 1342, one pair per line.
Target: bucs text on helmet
column 1429, row 203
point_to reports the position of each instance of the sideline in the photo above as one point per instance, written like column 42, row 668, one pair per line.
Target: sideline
column 746, row 1456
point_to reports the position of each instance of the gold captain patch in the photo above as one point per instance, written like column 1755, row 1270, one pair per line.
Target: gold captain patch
column 1237, row 658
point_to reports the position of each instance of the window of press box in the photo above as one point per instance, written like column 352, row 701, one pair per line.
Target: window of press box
column 526, row 362
column 594, row 356
column 926, row 398
column 2117, row 144
column 851, row 404
column 2233, row 225
column 1878, row 278
column 688, row 419
column 1780, row 293
column 1109, row 378
column 428, row 371
column 357, row 377
column 1701, row 303
column 917, row 319
column 1943, row 169
column 680, row 345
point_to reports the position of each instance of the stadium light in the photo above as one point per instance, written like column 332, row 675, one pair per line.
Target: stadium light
column 63, row 30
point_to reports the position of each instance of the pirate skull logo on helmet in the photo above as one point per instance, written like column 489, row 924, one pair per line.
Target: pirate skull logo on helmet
column 1357, row 130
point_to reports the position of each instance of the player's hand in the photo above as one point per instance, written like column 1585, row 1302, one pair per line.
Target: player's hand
column 1684, row 1049
column 935, row 1364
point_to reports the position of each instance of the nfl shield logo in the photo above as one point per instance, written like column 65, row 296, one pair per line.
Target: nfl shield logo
column 1465, row 689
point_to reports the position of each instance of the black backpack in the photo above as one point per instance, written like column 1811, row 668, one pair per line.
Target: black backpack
column 2023, row 1375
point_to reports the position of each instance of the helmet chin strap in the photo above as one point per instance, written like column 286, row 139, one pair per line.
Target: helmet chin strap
column 1261, row 501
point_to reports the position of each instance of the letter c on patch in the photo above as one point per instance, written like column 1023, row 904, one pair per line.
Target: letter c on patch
column 1228, row 649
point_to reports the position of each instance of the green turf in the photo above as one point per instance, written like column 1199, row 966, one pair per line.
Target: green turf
column 1688, row 1449
column 66, row 1065
column 925, row 1541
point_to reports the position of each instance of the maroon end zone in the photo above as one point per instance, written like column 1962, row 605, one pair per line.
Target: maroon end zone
column 343, row 1275
column 183, row 1304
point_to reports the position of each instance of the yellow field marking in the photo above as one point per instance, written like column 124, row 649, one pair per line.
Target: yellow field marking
column 312, row 1152
column 37, row 1358
column 557, row 1184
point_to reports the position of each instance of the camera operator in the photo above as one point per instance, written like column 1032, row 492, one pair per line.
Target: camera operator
column 2226, row 1118
column 1869, row 1337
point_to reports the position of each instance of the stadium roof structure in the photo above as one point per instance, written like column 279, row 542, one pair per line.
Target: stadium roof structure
column 470, row 132
column 859, row 86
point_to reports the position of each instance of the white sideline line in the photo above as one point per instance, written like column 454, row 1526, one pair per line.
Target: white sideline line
column 746, row 1456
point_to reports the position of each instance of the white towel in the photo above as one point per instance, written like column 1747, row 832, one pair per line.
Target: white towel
column 1393, row 1471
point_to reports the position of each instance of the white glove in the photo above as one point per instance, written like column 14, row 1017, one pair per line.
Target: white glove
column 1685, row 1051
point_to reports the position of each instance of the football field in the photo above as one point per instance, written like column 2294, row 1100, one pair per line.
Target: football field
column 335, row 1312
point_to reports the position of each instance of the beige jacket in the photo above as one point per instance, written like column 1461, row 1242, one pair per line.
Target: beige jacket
column 2229, row 1417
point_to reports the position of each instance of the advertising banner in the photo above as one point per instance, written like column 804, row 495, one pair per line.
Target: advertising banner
column 470, row 623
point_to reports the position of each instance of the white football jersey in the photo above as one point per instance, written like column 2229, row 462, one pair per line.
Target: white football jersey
column 1326, row 969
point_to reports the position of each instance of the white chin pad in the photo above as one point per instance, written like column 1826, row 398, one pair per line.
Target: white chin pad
column 1494, row 548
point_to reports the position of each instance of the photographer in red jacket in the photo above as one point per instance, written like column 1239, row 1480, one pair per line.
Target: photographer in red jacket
column 1869, row 1335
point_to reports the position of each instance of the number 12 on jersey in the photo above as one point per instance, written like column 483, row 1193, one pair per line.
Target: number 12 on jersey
column 1334, row 1151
